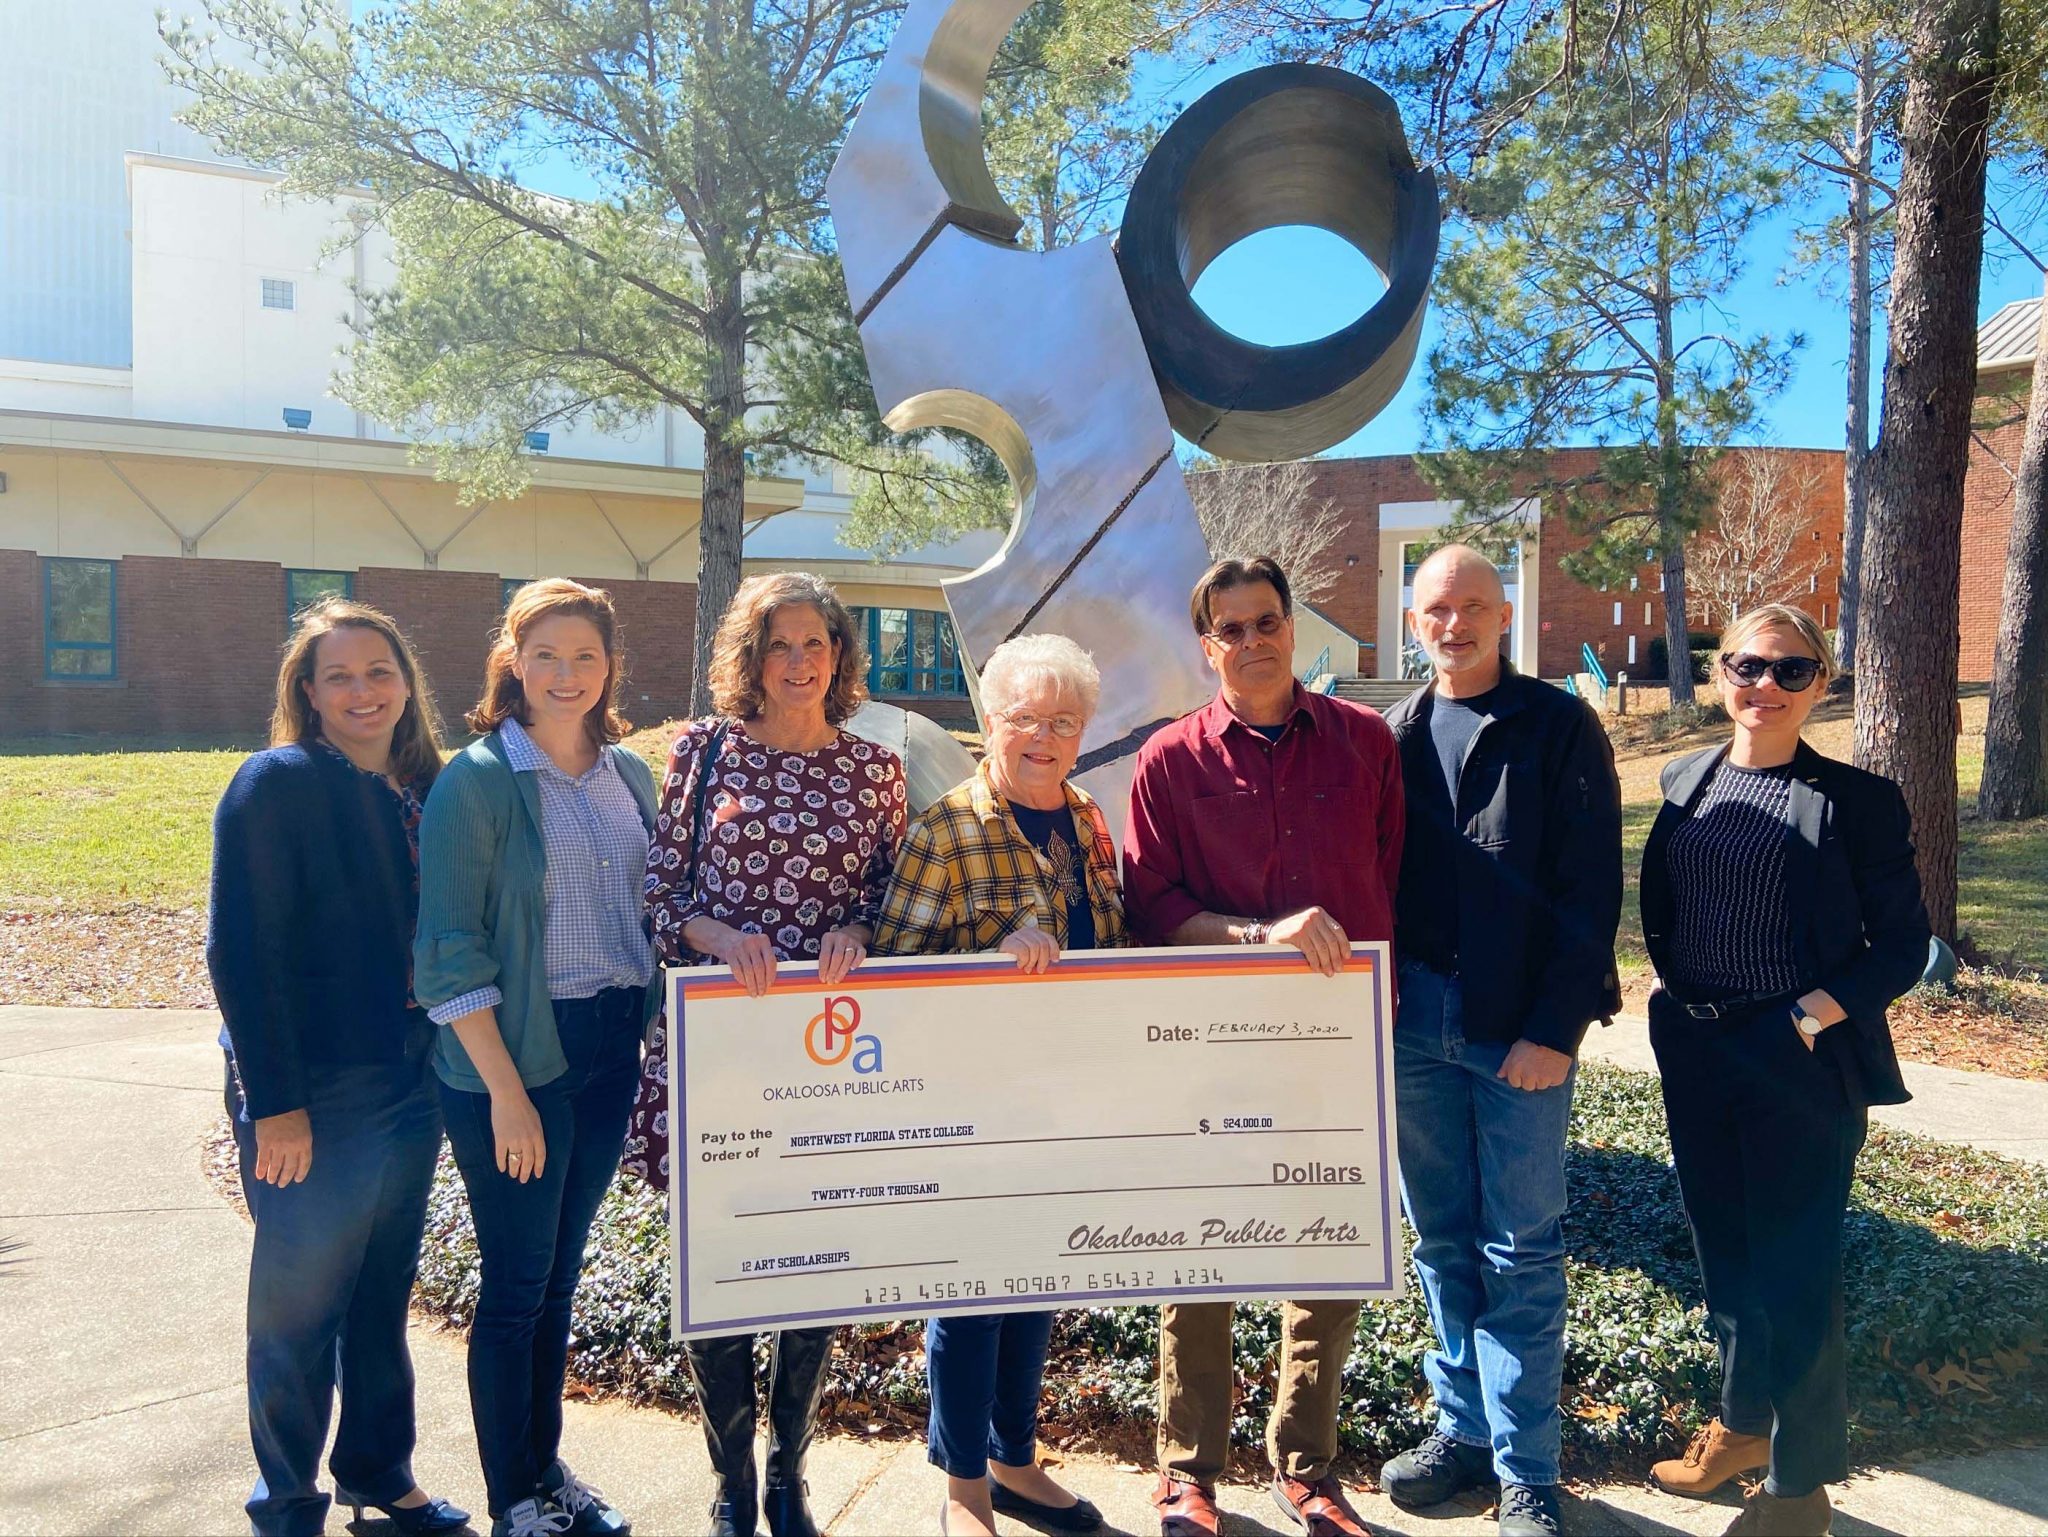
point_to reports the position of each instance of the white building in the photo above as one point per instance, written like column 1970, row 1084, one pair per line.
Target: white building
column 169, row 332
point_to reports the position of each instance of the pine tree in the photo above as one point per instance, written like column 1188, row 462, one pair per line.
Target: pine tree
column 1600, row 229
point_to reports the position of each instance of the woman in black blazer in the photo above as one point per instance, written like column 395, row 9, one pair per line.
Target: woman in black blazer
column 1782, row 912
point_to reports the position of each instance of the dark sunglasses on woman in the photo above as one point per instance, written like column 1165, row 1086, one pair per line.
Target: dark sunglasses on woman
column 1793, row 674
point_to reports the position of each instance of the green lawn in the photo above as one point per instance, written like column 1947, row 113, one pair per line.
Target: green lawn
column 100, row 830
column 96, row 831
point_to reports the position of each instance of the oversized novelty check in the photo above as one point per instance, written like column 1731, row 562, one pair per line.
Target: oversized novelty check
column 944, row 1135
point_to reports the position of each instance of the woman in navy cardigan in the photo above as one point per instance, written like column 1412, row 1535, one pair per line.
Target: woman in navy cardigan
column 329, row 1079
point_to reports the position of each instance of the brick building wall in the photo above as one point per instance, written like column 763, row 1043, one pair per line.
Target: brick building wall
column 1571, row 613
column 448, row 616
column 1987, row 521
column 658, row 630
column 197, row 645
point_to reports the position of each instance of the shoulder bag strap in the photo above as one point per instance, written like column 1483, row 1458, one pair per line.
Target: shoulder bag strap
column 713, row 746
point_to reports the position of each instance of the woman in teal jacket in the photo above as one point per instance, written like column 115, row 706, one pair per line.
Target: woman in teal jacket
column 532, row 955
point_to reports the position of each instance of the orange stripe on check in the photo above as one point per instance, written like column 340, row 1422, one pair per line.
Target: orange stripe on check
column 1066, row 972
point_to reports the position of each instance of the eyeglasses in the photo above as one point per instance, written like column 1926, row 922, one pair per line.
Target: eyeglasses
column 1028, row 724
column 1793, row 674
column 1231, row 634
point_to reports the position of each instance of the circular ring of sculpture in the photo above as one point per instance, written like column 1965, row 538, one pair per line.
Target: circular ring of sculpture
column 1285, row 144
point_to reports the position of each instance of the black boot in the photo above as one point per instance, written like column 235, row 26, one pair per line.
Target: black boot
column 722, row 1371
column 801, row 1356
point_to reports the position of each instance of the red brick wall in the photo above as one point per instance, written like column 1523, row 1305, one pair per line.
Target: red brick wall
column 1358, row 487
column 657, row 629
column 1571, row 613
column 196, row 649
column 197, row 646
column 1987, row 524
column 448, row 616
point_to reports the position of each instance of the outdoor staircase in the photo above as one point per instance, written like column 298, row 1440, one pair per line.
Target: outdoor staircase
column 1381, row 693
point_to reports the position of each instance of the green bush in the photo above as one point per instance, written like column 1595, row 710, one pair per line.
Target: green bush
column 1701, row 643
column 1947, row 1278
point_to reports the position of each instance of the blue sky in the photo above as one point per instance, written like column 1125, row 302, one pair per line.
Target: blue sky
column 1295, row 284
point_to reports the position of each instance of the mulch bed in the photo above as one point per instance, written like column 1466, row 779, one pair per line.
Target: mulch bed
column 144, row 957
column 1989, row 1024
column 132, row 958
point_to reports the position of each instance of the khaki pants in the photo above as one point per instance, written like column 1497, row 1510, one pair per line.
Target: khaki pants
column 1196, row 1381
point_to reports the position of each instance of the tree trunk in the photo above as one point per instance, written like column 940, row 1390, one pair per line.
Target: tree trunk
column 1912, row 554
column 2016, row 740
column 1856, row 443
column 722, row 525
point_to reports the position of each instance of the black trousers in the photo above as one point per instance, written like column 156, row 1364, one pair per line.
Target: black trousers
column 1765, row 1141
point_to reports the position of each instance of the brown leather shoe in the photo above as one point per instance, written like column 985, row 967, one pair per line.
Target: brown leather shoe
column 1186, row 1509
column 1320, row 1508
column 1766, row 1515
column 1716, row 1455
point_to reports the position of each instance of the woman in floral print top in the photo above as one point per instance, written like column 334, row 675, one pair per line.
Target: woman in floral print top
column 800, row 824
column 797, row 850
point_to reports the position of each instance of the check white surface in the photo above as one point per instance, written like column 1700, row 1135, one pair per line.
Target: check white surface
column 946, row 1135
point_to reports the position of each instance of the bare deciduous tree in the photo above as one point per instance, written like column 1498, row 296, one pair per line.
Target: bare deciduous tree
column 1759, row 546
column 1270, row 509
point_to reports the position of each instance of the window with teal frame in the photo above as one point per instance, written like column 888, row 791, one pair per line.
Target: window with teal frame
column 79, row 599
column 305, row 588
column 911, row 651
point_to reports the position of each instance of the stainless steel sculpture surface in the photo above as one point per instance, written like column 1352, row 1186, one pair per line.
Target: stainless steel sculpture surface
column 1076, row 365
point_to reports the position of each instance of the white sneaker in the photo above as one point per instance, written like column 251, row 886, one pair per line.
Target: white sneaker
column 590, row 1513
column 532, row 1518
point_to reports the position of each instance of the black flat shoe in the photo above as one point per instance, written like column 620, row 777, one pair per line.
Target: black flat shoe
column 412, row 1520
column 1081, row 1516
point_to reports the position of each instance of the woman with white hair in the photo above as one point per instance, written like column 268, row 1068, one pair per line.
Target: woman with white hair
column 1018, row 860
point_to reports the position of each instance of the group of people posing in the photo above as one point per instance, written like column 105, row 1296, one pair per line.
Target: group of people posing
column 402, row 947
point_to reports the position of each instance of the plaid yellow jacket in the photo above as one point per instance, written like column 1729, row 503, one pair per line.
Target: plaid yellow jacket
column 966, row 876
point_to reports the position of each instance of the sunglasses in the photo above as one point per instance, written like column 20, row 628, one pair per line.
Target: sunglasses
column 1231, row 633
column 1793, row 674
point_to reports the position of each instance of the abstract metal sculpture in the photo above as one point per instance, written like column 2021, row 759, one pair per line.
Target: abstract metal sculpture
column 1076, row 365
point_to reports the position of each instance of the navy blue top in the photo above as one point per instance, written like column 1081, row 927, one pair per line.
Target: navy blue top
column 310, row 923
column 1052, row 834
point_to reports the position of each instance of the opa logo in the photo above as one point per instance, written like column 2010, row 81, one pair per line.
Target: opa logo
column 833, row 1037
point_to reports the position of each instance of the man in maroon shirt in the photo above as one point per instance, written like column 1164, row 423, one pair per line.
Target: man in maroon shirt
column 1270, row 815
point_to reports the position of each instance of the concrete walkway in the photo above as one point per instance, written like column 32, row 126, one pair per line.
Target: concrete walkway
column 1980, row 1110
column 121, row 1404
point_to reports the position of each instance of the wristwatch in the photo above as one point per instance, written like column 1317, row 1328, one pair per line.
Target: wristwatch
column 1809, row 1026
column 1255, row 932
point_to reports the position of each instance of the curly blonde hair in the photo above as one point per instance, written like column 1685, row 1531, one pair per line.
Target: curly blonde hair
column 742, row 639
column 504, row 696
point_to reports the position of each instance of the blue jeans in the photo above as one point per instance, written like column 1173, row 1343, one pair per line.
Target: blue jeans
column 530, row 1236
column 1482, row 1180
column 330, row 1277
column 985, row 1371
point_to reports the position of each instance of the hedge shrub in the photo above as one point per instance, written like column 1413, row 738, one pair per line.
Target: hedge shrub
column 1947, row 1277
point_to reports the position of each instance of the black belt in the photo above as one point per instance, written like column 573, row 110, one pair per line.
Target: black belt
column 1741, row 1005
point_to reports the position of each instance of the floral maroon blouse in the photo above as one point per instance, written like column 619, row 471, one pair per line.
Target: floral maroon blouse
column 796, row 844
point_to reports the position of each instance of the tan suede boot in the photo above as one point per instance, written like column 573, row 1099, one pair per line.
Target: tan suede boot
column 1716, row 1455
column 1766, row 1515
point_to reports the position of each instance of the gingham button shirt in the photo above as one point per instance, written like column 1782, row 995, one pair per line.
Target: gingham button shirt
column 596, row 848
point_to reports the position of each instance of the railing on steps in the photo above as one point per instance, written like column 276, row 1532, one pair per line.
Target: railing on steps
column 1595, row 673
